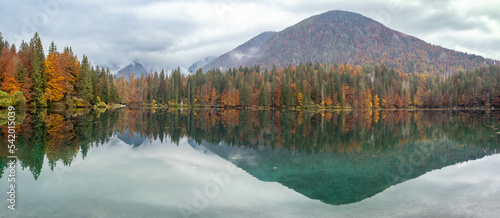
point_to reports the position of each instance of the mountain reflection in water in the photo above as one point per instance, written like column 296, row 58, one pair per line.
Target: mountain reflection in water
column 338, row 157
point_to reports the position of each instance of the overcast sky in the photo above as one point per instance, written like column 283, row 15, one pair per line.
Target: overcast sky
column 167, row 34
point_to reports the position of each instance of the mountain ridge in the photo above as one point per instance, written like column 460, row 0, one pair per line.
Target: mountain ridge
column 200, row 63
column 337, row 37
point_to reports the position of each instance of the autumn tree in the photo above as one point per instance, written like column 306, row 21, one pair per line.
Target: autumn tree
column 55, row 80
column 8, row 72
column 376, row 101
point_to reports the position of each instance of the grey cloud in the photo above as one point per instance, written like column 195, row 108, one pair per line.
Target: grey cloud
column 118, row 32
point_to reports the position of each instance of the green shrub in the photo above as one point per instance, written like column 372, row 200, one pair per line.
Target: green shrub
column 5, row 99
column 18, row 99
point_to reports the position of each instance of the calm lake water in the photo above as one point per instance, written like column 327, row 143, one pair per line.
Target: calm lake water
column 242, row 163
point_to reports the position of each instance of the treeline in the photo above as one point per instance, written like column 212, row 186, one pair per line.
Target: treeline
column 30, row 77
column 329, row 86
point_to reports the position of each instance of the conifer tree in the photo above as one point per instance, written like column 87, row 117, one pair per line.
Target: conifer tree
column 162, row 88
column 104, row 92
column 38, row 76
column 84, row 85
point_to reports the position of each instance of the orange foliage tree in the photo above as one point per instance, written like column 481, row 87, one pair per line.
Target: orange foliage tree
column 55, row 81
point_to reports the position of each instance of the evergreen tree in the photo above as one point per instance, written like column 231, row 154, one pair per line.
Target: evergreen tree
column 38, row 76
column 21, row 73
column 188, row 91
column 3, row 43
column 162, row 88
column 84, row 85
column 95, row 89
column 286, row 95
column 264, row 96
column 104, row 92
column 155, row 87
column 245, row 95
column 176, row 75
column 170, row 90
column 193, row 89
column 53, row 48
column 112, row 88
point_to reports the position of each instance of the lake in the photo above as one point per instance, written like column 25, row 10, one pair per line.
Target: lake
column 254, row 163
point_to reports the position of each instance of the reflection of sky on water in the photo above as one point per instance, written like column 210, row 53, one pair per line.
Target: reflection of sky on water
column 470, row 189
column 153, row 180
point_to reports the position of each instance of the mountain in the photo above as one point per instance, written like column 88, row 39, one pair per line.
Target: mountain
column 346, row 37
column 243, row 55
column 134, row 139
column 337, row 178
column 136, row 68
column 199, row 64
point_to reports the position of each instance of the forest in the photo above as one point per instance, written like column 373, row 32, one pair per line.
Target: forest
column 32, row 78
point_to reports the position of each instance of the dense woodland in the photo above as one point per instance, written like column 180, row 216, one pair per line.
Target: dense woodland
column 36, row 79
column 30, row 77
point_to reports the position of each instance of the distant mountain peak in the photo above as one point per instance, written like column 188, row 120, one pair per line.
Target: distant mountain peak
column 135, row 67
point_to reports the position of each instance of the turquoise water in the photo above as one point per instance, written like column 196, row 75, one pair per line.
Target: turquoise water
column 212, row 163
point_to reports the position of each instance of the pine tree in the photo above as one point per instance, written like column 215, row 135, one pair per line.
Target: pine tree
column 245, row 95
column 84, row 85
column 104, row 92
column 162, row 88
column 53, row 48
column 155, row 87
column 188, row 92
column 3, row 43
column 112, row 88
column 176, row 75
column 170, row 91
column 287, row 99
column 264, row 96
column 21, row 73
column 38, row 75
column 95, row 89
column 193, row 89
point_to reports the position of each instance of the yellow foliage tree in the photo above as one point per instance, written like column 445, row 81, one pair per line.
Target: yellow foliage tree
column 376, row 101
column 368, row 99
column 299, row 99
column 328, row 101
column 55, row 81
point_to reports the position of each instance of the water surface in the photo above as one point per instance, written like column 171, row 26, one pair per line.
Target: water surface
column 241, row 163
